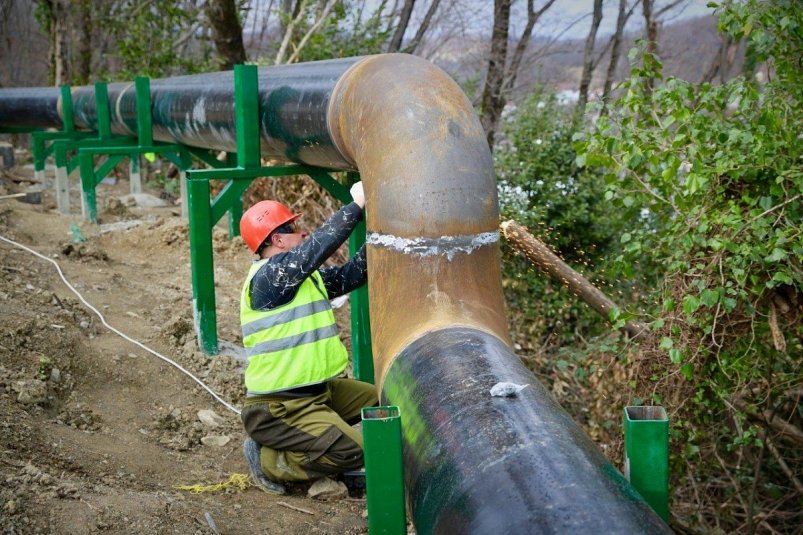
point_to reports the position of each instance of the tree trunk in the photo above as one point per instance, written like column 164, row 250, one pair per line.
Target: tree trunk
column 289, row 28
column 422, row 29
column 588, row 58
column 650, row 26
column 521, row 46
column 83, row 44
column 227, row 33
column 404, row 20
column 616, row 45
column 492, row 99
column 540, row 255
column 61, row 39
column 58, row 51
column 47, row 22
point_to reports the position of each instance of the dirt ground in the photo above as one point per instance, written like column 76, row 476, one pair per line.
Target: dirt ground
column 95, row 432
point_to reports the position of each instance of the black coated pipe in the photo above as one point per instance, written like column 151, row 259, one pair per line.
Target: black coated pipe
column 31, row 107
column 198, row 111
column 482, row 464
column 473, row 463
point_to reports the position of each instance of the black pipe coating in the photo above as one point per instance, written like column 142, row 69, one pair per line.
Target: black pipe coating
column 198, row 110
column 487, row 464
column 30, row 107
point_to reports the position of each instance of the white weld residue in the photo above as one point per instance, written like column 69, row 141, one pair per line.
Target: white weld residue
column 445, row 245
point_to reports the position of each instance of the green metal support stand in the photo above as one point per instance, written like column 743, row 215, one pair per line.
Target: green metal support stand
column 205, row 212
column 117, row 149
column 647, row 455
column 43, row 143
column 384, row 474
column 63, row 148
column 363, row 356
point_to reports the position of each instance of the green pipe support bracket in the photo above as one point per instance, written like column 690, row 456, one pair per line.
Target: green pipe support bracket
column 647, row 455
column 205, row 212
column 384, row 473
column 42, row 142
column 117, row 149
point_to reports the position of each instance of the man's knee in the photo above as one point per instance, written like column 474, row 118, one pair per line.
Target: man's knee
column 344, row 454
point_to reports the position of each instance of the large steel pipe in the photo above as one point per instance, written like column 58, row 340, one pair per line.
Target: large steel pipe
column 474, row 463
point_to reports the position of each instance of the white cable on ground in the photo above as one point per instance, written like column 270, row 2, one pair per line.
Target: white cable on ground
column 103, row 320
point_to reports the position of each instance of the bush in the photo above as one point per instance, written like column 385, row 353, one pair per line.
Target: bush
column 713, row 173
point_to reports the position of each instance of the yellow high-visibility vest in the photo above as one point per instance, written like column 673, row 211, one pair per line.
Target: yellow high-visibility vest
column 293, row 345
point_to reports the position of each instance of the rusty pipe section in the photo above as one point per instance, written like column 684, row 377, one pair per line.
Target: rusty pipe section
column 474, row 463
column 431, row 191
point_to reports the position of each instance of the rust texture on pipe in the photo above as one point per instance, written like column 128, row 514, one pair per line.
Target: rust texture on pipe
column 540, row 255
column 432, row 215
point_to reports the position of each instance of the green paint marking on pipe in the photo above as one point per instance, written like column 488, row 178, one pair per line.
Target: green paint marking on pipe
column 647, row 455
column 384, row 475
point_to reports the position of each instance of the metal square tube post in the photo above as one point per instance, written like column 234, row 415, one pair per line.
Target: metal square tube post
column 384, row 473
column 647, row 455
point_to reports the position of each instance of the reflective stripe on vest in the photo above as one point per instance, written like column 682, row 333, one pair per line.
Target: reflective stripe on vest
column 292, row 345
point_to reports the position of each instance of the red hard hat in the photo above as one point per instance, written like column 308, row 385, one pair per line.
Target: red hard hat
column 262, row 219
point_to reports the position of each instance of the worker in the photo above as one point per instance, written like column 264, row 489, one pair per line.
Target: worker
column 299, row 411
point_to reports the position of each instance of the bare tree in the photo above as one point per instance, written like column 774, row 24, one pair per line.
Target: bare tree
column 650, row 26
column 423, row 27
column 404, row 19
column 723, row 60
column 616, row 46
column 83, row 43
column 54, row 18
column 299, row 10
column 588, row 57
column 322, row 15
column 521, row 46
column 227, row 32
column 492, row 98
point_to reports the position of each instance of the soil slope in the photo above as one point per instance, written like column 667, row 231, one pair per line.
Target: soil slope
column 96, row 432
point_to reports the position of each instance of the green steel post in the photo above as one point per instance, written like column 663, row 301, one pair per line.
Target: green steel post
column 39, row 153
column 362, row 355
column 102, row 110
column 202, row 267
column 384, row 474
column 235, row 214
column 246, row 113
column 86, row 168
column 144, row 119
column 647, row 455
column 67, row 122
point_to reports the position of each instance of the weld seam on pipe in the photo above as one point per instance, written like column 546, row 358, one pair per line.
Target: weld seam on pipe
column 445, row 245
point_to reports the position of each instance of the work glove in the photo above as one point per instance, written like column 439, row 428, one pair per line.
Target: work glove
column 357, row 194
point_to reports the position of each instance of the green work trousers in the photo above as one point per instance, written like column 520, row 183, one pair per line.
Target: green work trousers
column 305, row 438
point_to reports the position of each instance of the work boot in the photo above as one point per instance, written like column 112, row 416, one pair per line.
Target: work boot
column 355, row 479
column 251, row 452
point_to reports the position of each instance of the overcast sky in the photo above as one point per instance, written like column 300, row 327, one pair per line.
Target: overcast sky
column 572, row 18
column 568, row 18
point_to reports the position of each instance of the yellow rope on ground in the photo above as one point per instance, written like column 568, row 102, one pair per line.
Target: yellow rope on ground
column 240, row 481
